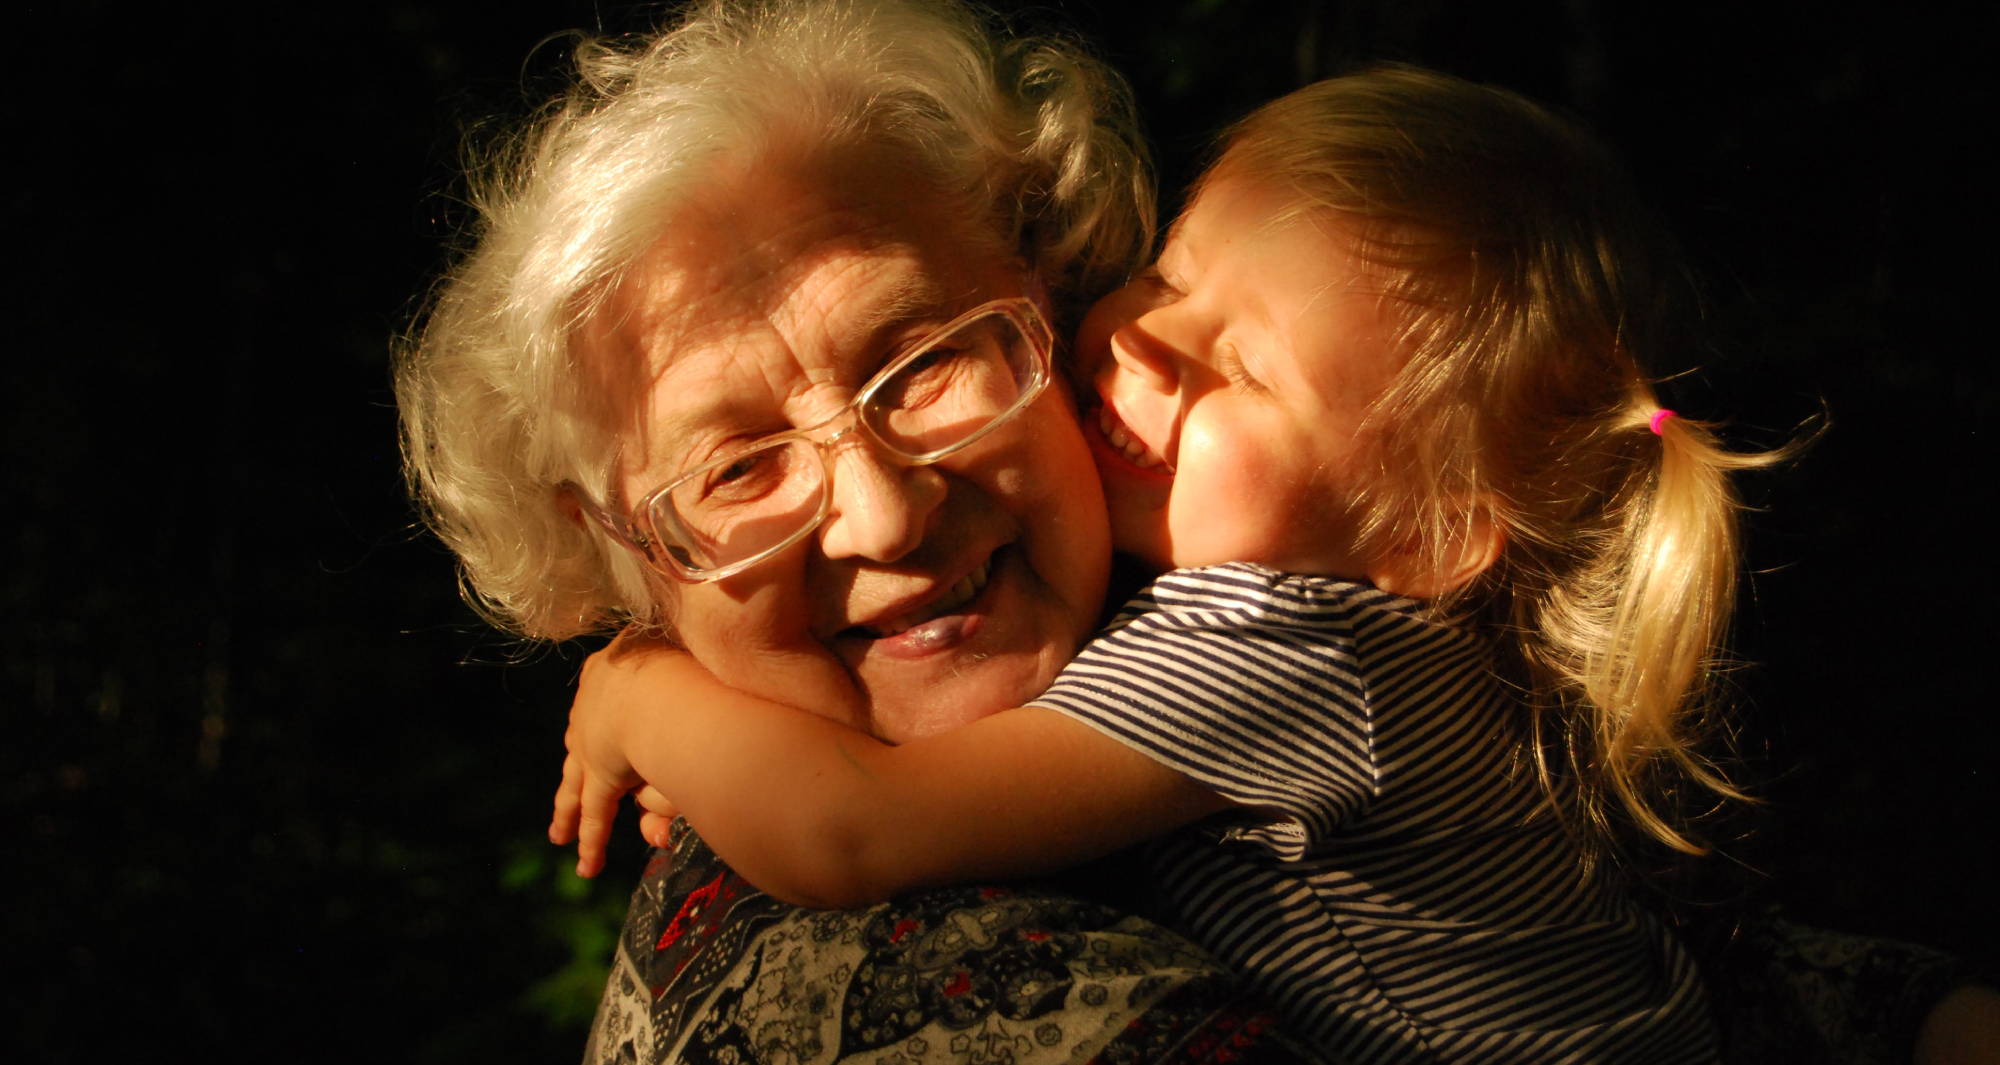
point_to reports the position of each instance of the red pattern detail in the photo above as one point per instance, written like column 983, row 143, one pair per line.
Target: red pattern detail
column 961, row 982
column 1035, row 937
column 690, row 911
column 1212, row 1046
column 1222, row 1037
column 903, row 928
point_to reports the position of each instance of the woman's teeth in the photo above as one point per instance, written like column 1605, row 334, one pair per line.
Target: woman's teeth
column 965, row 591
column 1135, row 452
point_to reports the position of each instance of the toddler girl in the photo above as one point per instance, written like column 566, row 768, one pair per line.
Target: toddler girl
column 1445, row 583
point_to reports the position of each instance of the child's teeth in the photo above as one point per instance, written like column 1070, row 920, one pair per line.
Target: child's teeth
column 1128, row 445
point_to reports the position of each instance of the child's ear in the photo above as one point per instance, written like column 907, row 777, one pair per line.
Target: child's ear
column 1471, row 553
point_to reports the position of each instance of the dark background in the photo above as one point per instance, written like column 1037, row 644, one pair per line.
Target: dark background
column 272, row 793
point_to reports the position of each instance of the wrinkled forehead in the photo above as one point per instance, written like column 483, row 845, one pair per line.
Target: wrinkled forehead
column 773, row 282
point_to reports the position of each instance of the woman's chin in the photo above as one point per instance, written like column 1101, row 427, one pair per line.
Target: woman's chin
column 986, row 687
column 1001, row 651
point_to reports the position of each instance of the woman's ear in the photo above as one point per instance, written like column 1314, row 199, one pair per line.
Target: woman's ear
column 1468, row 554
column 567, row 504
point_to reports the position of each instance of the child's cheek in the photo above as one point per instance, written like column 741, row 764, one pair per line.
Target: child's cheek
column 1138, row 512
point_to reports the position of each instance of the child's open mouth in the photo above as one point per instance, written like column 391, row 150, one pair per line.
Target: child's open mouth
column 1128, row 445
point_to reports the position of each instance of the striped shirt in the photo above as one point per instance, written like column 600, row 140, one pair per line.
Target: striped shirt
column 1395, row 882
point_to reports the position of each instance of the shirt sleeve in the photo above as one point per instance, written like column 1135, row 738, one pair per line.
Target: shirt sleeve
column 1246, row 681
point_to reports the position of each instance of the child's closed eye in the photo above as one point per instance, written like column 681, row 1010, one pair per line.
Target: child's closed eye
column 1230, row 365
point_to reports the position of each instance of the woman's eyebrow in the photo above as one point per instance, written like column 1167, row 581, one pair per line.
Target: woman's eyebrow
column 661, row 436
column 914, row 296
column 910, row 303
column 901, row 303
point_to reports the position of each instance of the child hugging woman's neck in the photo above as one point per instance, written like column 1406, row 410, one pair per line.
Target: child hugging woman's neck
column 1384, row 413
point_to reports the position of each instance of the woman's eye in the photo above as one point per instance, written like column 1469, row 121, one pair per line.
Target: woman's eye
column 925, row 378
column 734, row 471
column 744, row 477
column 927, row 364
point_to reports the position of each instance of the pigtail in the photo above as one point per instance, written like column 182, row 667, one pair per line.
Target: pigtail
column 1648, row 686
column 1617, row 586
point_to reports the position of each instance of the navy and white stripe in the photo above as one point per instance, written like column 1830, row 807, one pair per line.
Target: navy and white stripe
column 1397, row 886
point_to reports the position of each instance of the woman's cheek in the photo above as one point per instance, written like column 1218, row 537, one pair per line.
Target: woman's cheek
column 1049, row 486
column 755, row 632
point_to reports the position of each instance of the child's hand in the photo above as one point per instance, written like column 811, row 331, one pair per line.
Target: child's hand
column 598, row 771
column 586, row 806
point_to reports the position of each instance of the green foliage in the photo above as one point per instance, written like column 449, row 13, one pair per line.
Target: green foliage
column 581, row 916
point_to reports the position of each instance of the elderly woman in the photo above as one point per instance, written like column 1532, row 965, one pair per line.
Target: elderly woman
column 849, row 233
column 841, row 231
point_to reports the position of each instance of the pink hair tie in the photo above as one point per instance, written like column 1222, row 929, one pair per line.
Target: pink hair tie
column 1659, row 416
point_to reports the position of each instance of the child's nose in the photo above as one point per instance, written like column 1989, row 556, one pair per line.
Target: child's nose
column 1137, row 351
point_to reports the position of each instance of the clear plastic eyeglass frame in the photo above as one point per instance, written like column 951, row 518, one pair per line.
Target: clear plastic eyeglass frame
column 671, row 550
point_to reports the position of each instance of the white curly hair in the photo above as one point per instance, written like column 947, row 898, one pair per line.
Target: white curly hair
column 1034, row 135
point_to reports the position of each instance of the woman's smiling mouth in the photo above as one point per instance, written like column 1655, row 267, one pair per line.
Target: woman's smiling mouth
column 944, row 622
column 965, row 591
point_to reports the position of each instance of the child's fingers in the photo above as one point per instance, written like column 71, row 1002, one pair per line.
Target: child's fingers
column 651, row 801
column 569, row 800
column 599, row 808
column 656, row 816
column 656, row 828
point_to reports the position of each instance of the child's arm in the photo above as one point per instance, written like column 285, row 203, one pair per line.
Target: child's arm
column 820, row 814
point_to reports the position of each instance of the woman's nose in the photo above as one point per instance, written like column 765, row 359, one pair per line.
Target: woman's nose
column 881, row 506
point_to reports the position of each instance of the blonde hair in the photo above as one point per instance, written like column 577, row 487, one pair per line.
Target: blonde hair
column 1032, row 135
column 1531, row 291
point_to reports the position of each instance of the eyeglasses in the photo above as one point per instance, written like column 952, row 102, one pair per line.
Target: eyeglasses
column 732, row 512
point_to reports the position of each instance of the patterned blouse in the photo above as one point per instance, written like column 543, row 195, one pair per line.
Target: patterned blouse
column 711, row 970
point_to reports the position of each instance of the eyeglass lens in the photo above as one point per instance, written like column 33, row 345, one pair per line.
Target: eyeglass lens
column 928, row 404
